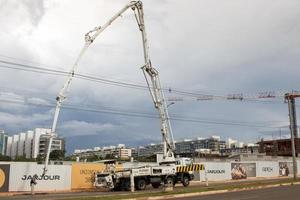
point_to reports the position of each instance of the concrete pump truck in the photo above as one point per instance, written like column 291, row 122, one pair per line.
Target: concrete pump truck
column 168, row 170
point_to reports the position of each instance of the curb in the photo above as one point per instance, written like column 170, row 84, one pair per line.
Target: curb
column 212, row 192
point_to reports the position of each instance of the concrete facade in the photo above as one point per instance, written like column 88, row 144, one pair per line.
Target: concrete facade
column 28, row 144
column 21, row 144
column 3, row 142
column 31, row 143
column 14, row 146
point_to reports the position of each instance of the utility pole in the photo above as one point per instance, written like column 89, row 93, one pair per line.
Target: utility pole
column 290, row 98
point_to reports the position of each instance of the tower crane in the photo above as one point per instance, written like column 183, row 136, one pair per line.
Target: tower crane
column 150, row 73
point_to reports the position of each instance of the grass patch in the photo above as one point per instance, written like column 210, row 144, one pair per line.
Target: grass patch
column 213, row 187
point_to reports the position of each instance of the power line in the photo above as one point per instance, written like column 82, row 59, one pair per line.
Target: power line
column 30, row 68
column 141, row 115
column 29, row 99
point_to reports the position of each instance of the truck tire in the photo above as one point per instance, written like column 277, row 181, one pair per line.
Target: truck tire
column 140, row 184
column 169, row 182
column 155, row 185
column 117, row 187
column 126, row 185
column 185, row 181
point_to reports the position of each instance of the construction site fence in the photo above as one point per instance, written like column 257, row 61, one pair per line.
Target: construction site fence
column 16, row 176
column 218, row 171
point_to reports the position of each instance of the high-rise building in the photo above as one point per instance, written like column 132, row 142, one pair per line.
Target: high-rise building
column 36, row 140
column 3, row 142
column 28, row 144
column 57, row 144
column 14, row 145
column 21, row 144
column 31, row 143
column 9, row 146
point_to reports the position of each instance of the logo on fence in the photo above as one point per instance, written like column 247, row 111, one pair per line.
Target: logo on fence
column 4, row 177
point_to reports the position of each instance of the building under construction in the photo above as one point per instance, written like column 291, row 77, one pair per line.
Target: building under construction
column 280, row 147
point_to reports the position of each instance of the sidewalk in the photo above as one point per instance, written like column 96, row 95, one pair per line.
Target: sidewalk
column 248, row 180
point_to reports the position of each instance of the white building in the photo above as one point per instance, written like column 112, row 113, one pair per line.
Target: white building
column 21, row 144
column 14, row 146
column 31, row 143
column 3, row 141
column 8, row 146
column 57, row 144
column 124, row 153
column 231, row 143
column 36, row 140
column 28, row 144
column 119, row 151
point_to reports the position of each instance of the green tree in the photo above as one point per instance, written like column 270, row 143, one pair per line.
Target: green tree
column 57, row 155
column 70, row 158
column 4, row 158
column 40, row 159
column 93, row 157
column 109, row 156
column 21, row 159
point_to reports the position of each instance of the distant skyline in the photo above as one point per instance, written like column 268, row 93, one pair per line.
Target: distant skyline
column 199, row 47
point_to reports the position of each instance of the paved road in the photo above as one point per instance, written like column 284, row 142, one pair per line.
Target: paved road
column 59, row 195
column 149, row 189
column 277, row 193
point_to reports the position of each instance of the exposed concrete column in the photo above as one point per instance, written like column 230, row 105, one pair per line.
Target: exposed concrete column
column 131, row 181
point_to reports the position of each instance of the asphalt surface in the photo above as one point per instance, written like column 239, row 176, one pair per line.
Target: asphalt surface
column 71, row 195
column 59, row 195
column 276, row 193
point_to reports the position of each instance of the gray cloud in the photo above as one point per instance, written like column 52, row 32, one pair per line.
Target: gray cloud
column 200, row 46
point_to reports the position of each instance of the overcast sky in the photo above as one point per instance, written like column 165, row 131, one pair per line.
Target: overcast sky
column 199, row 46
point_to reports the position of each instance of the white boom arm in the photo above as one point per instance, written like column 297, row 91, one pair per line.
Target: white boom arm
column 150, row 73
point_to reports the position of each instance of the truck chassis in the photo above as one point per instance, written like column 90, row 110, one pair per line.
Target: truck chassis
column 156, row 176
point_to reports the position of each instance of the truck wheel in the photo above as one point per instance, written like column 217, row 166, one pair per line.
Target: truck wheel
column 185, row 181
column 155, row 185
column 117, row 187
column 169, row 182
column 140, row 184
column 126, row 185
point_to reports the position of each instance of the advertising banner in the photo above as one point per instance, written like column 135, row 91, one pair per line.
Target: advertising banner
column 242, row 170
column 267, row 169
column 57, row 178
column 4, row 177
column 285, row 168
column 216, row 171
column 83, row 174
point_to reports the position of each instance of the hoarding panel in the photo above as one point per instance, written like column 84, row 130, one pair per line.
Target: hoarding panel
column 285, row 168
column 217, row 171
column 57, row 178
column 4, row 177
column 213, row 171
column 267, row 169
column 242, row 170
column 83, row 174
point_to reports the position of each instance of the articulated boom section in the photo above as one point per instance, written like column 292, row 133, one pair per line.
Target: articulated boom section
column 160, row 105
column 155, row 88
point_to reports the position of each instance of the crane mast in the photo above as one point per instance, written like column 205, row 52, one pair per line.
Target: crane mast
column 150, row 73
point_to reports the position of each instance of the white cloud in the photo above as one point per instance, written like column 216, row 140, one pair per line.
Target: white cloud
column 23, row 122
column 81, row 128
column 219, row 46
